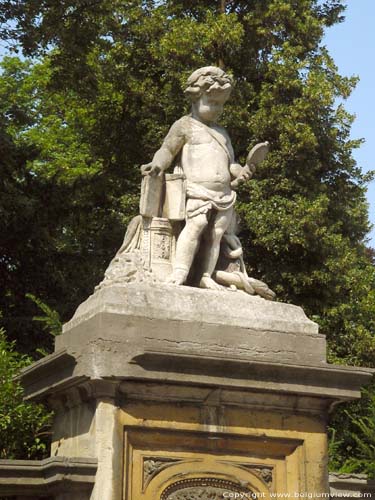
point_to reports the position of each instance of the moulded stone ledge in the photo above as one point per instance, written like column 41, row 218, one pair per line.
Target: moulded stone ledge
column 98, row 374
column 34, row 478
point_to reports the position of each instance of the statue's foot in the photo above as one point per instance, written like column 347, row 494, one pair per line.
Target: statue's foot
column 178, row 277
column 209, row 283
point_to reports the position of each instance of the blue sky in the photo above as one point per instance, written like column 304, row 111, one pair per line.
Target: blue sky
column 352, row 45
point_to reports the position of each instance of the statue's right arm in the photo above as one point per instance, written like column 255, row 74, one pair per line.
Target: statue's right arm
column 172, row 144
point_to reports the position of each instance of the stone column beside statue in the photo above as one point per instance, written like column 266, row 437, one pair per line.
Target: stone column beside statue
column 177, row 378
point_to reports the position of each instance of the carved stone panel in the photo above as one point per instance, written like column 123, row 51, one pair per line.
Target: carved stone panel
column 161, row 231
column 201, row 489
column 152, row 466
column 161, row 242
column 264, row 473
column 162, row 247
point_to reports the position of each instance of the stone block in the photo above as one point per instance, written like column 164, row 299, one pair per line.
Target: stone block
column 191, row 320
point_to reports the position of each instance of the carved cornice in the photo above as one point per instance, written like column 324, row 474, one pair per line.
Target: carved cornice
column 99, row 389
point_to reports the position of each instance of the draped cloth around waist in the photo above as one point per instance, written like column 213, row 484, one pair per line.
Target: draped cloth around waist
column 201, row 200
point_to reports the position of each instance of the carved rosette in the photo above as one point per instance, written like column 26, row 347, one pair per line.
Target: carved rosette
column 202, row 489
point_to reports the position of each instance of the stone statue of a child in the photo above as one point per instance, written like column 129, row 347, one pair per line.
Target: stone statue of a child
column 206, row 156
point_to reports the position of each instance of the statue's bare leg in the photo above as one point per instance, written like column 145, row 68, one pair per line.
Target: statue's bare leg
column 211, row 248
column 187, row 246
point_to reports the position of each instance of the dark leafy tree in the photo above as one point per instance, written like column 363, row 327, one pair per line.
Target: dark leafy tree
column 23, row 426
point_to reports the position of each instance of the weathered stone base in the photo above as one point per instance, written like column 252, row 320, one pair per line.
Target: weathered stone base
column 182, row 393
column 182, row 319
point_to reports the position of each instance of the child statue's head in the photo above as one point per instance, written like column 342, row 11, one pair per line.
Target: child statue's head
column 208, row 88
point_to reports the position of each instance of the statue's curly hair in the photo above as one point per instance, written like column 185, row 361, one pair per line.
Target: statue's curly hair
column 208, row 79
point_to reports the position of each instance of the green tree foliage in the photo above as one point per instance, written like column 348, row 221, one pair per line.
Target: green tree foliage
column 364, row 438
column 357, row 438
column 58, row 222
column 50, row 318
column 97, row 104
column 23, row 426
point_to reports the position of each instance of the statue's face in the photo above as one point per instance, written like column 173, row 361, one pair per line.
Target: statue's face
column 209, row 107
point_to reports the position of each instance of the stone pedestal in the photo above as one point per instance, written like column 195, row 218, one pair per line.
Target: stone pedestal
column 181, row 393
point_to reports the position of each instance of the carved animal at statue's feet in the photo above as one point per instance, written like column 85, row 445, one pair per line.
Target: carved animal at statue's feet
column 262, row 289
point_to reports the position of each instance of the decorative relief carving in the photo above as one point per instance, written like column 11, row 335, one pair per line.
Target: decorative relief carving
column 145, row 242
column 153, row 465
column 161, row 248
column 264, row 473
column 202, row 489
column 162, row 234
